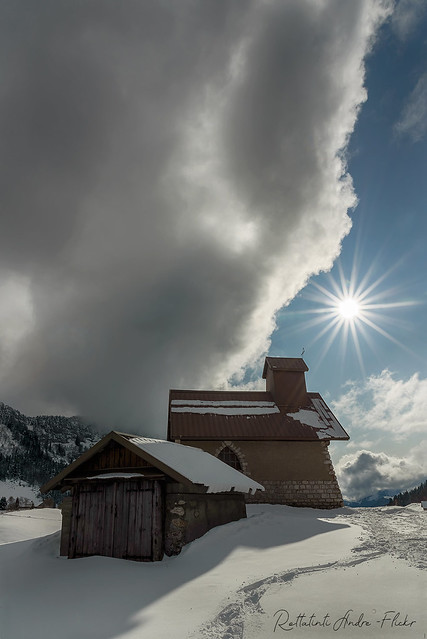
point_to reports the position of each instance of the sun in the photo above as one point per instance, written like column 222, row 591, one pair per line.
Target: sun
column 349, row 308
column 358, row 309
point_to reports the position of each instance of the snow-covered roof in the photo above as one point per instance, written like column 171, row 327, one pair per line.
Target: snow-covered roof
column 320, row 418
column 197, row 466
column 248, row 415
column 182, row 463
column 227, row 407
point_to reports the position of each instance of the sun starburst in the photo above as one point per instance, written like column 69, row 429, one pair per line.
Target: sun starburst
column 349, row 308
column 353, row 310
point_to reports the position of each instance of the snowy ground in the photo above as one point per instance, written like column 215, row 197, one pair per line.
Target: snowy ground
column 281, row 572
column 12, row 488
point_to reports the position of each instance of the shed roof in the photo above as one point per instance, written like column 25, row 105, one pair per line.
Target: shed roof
column 185, row 464
column 241, row 415
column 197, row 466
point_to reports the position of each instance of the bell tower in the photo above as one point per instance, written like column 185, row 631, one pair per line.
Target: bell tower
column 285, row 380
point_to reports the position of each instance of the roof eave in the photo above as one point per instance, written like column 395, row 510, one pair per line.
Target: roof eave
column 252, row 438
column 55, row 481
column 157, row 463
column 122, row 439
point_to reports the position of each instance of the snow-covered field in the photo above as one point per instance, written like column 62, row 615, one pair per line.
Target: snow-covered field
column 13, row 488
column 282, row 572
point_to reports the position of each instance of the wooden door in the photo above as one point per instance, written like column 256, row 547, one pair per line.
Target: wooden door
column 117, row 519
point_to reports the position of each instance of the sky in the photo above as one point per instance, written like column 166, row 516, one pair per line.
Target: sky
column 183, row 187
column 373, row 370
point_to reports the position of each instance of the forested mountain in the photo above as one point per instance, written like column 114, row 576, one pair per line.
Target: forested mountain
column 380, row 498
column 34, row 449
column 410, row 496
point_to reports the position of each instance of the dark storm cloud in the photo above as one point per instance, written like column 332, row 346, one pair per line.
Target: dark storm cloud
column 365, row 473
column 85, row 83
column 172, row 173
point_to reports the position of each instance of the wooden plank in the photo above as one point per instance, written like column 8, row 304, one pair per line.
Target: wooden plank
column 91, row 501
column 83, row 521
column 116, row 528
column 105, row 518
column 83, row 507
column 66, row 507
column 94, row 498
column 139, row 521
column 147, row 516
column 73, row 522
column 132, row 490
column 88, row 523
column 127, row 517
column 79, row 524
column 120, row 521
column 109, row 508
column 97, row 523
column 157, row 525
column 139, row 516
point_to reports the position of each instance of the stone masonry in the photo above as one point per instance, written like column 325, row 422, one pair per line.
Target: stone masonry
column 190, row 513
column 315, row 493
column 311, row 493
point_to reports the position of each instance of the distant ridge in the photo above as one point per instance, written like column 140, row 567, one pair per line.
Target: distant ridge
column 33, row 449
column 381, row 498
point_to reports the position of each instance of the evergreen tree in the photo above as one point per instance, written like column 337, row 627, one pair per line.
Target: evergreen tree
column 416, row 495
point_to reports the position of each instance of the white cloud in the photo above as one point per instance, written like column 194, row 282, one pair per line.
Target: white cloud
column 413, row 121
column 382, row 402
column 364, row 473
column 173, row 175
column 364, row 443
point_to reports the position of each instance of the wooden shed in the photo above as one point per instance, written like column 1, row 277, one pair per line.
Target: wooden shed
column 138, row 498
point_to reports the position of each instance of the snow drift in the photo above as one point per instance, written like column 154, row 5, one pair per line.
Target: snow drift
column 352, row 573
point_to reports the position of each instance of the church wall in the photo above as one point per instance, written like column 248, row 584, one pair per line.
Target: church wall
column 293, row 473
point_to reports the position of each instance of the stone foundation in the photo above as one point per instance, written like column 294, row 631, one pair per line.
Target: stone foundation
column 189, row 515
column 308, row 493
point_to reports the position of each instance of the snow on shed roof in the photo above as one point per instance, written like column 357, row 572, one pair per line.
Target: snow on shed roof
column 197, row 466
column 182, row 463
